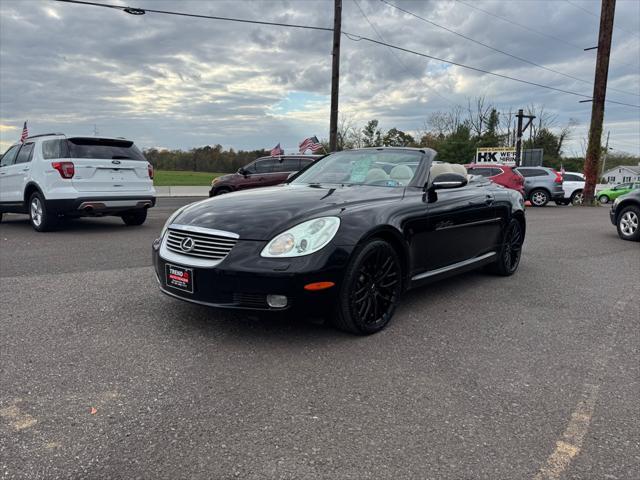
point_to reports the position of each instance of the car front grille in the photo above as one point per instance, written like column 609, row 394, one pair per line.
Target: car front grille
column 198, row 244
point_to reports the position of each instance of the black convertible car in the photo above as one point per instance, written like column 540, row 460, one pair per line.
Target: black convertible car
column 343, row 238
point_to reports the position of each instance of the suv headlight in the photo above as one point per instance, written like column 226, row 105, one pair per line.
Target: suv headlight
column 303, row 239
column 170, row 220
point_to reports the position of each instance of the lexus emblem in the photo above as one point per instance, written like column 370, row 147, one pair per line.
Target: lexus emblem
column 187, row 244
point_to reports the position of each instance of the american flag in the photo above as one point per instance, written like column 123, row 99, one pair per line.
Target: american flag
column 275, row 151
column 25, row 133
column 311, row 143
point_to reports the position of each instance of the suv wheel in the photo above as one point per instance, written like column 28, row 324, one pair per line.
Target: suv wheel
column 577, row 197
column 603, row 199
column 135, row 217
column 41, row 220
column 539, row 198
column 628, row 228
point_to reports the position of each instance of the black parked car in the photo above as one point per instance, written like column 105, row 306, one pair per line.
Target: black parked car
column 344, row 237
column 625, row 215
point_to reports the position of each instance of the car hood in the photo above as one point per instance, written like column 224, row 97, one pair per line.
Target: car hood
column 262, row 213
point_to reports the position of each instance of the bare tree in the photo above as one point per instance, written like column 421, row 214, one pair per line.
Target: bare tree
column 478, row 114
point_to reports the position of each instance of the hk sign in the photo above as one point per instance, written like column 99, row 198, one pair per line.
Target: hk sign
column 501, row 155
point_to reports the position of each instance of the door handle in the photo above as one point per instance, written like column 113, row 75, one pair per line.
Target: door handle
column 25, row 169
column 489, row 199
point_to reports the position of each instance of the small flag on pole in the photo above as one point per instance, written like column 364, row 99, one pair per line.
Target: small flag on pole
column 25, row 133
column 275, row 151
column 311, row 143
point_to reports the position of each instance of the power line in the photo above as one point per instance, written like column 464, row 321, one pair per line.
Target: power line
column 140, row 11
column 598, row 16
column 512, row 22
column 402, row 64
column 497, row 49
column 476, row 69
column 350, row 36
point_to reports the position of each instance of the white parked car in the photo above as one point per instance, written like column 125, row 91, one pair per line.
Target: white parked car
column 573, row 185
column 52, row 176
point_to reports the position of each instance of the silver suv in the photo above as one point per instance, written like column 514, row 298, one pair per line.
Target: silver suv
column 542, row 184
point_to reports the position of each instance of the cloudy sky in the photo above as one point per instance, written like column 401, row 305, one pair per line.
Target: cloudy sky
column 177, row 82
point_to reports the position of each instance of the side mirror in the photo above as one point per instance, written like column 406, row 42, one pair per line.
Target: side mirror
column 291, row 175
column 448, row 180
column 242, row 171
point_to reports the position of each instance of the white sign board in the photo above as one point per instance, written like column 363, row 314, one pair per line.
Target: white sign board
column 497, row 155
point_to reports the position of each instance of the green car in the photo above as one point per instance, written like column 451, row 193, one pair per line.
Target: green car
column 605, row 196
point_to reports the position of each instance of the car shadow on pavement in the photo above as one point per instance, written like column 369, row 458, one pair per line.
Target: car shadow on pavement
column 285, row 327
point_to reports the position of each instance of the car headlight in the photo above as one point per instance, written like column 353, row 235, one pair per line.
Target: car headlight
column 170, row 220
column 215, row 180
column 303, row 239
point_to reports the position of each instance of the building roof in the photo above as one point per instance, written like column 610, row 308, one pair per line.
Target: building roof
column 635, row 169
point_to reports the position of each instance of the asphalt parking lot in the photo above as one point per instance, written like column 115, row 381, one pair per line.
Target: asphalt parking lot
column 478, row 377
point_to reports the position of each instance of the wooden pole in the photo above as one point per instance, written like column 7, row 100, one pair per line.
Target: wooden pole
column 592, row 160
column 335, row 76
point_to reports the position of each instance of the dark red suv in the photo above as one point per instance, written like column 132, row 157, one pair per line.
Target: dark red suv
column 263, row 172
column 500, row 174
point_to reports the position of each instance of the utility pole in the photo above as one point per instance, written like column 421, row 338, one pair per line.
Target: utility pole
column 335, row 76
column 520, row 116
column 592, row 159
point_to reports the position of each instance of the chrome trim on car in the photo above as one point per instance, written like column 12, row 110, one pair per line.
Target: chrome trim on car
column 469, row 224
column 208, row 246
column 207, row 231
column 455, row 266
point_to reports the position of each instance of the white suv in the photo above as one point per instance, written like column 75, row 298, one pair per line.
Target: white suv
column 51, row 176
column 573, row 185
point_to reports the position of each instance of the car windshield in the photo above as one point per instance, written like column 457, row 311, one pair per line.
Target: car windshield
column 385, row 168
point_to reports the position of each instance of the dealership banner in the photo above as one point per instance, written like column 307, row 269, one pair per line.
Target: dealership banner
column 502, row 155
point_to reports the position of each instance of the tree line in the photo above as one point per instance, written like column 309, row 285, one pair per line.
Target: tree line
column 455, row 134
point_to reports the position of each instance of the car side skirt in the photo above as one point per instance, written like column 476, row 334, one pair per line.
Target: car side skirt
column 453, row 269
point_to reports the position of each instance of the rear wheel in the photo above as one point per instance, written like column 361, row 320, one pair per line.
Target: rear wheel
column 41, row 220
column 511, row 251
column 539, row 198
column 577, row 198
column 371, row 289
column 628, row 223
column 603, row 199
column 135, row 217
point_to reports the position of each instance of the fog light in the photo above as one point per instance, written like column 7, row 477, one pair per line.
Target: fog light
column 277, row 301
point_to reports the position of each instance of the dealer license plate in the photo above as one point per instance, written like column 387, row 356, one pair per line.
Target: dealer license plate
column 179, row 278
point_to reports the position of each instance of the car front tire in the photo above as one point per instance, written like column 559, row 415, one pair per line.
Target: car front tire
column 222, row 191
column 510, row 252
column 539, row 198
column 39, row 217
column 135, row 218
column 577, row 198
column 371, row 289
column 628, row 223
column 603, row 199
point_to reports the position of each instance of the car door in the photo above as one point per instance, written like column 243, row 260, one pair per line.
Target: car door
column 282, row 168
column 7, row 161
column 16, row 176
column 463, row 224
column 257, row 174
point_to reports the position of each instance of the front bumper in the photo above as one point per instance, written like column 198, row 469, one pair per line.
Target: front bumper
column 244, row 279
column 99, row 205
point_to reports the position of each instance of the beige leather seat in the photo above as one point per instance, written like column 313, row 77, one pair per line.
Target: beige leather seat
column 402, row 174
column 438, row 169
column 457, row 168
column 376, row 175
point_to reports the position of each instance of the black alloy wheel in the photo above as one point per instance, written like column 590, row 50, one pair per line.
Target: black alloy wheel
column 511, row 251
column 371, row 289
